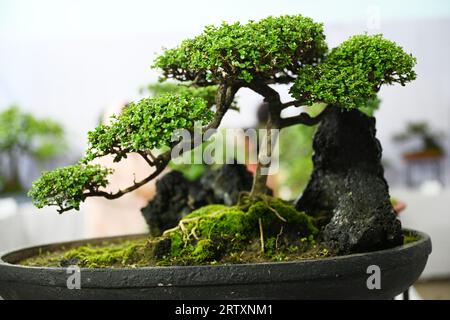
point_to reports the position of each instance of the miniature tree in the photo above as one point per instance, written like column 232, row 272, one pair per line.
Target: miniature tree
column 347, row 188
column 257, row 55
column 22, row 135
column 421, row 131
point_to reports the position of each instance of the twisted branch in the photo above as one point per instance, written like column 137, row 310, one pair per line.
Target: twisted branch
column 224, row 99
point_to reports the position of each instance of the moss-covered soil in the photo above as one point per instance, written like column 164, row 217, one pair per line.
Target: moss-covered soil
column 137, row 253
column 263, row 231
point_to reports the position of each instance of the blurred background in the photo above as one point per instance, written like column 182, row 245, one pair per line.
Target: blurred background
column 66, row 65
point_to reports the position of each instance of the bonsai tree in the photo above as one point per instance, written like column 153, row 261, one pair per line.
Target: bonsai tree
column 421, row 131
column 289, row 50
column 347, row 189
column 23, row 135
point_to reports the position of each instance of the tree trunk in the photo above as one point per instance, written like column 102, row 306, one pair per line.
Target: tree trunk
column 12, row 183
column 264, row 161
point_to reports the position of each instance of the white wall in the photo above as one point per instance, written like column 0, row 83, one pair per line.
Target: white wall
column 429, row 213
column 22, row 225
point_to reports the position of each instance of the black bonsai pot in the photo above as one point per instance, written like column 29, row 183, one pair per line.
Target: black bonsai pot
column 343, row 277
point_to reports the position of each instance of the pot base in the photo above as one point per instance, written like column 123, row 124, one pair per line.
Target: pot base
column 345, row 277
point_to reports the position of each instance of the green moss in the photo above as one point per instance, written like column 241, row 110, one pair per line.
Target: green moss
column 267, row 229
column 203, row 253
column 127, row 253
column 207, row 210
column 205, row 250
column 279, row 257
column 45, row 258
column 215, row 231
column 271, row 246
column 266, row 210
column 230, row 223
column 205, row 232
column 176, row 245
column 286, row 246
column 409, row 238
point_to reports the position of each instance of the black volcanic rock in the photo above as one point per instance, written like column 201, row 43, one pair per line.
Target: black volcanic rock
column 227, row 182
column 347, row 190
column 176, row 196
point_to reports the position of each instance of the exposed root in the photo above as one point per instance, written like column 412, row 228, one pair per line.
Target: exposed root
column 276, row 213
column 193, row 233
column 261, row 234
column 245, row 201
column 185, row 232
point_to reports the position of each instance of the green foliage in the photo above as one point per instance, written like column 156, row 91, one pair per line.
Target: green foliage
column 238, row 51
column 147, row 125
column 205, row 93
column 354, row 71
column 21, row 134
column 190, row 171
column 20, row 130
column 66, row 187
column 370, row 106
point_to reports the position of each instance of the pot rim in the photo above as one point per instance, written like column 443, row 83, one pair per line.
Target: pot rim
column 400, row 267
column 424, row 239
